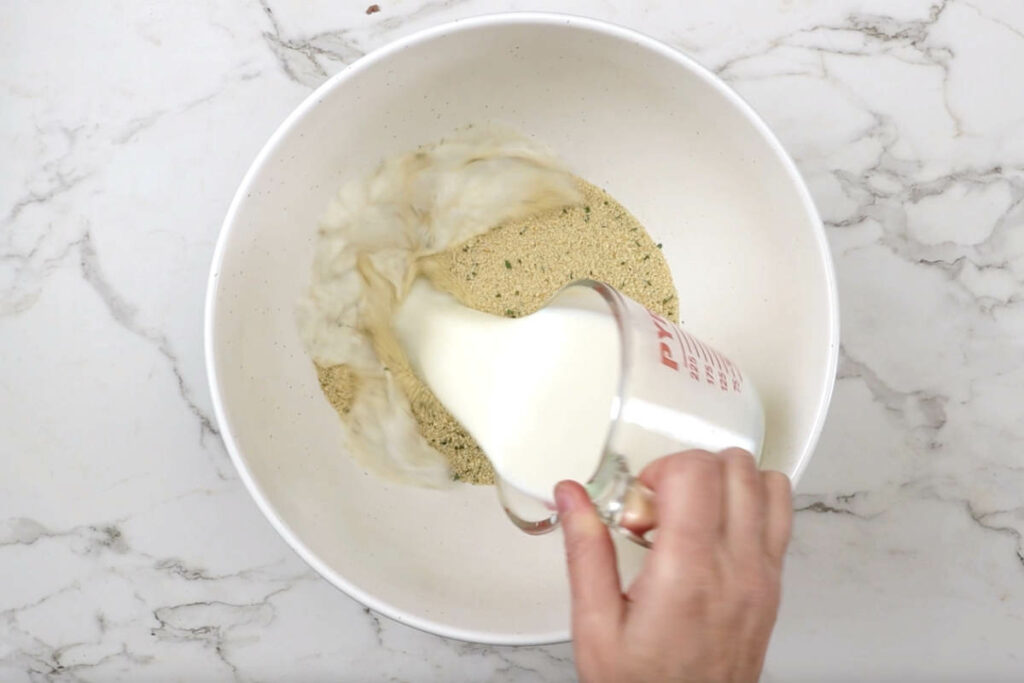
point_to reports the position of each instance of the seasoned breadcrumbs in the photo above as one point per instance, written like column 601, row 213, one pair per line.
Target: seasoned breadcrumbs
column 339, row 384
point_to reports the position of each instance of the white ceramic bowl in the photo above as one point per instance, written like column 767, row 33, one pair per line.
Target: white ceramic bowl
column 677, row 147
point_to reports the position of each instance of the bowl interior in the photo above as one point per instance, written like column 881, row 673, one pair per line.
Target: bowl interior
column 744, row 244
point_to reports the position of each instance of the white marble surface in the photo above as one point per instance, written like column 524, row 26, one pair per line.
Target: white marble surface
column 129, row 548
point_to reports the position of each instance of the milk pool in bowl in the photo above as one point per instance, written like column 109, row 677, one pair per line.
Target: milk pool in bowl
column 664, row 137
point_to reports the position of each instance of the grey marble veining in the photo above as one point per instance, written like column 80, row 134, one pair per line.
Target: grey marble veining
column 128, row 547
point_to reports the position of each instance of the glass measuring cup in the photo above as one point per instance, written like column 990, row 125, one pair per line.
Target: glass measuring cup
column 675, row 393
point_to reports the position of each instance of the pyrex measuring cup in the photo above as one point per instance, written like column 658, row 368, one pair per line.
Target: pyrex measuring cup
column 675, row 393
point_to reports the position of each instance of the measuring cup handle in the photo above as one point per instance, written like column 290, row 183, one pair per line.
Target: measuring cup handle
column 638, row 514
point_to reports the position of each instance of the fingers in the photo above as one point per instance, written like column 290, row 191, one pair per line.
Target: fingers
column 778, row 513
column 744, row 502
column 703, row 496
column 688, row 494
column 597, row 602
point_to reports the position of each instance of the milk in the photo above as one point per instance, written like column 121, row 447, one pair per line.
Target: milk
column 537, row 393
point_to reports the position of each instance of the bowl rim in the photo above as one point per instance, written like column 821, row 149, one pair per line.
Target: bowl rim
column 310, row 102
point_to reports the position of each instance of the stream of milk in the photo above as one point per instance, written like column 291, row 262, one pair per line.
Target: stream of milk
column 535, row 392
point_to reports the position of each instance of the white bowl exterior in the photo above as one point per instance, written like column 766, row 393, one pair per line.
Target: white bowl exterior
column 663, row 136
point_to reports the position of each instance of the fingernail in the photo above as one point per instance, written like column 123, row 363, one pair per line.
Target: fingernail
column 563, row 497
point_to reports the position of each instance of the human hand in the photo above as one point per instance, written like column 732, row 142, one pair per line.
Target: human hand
column 705, row 601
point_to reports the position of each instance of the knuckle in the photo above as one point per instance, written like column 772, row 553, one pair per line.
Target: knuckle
column 737, row 457
column 742, row 470
column 693, row 461
column 777, row 481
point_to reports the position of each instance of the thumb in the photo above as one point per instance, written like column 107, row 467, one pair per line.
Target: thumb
column 597, row 602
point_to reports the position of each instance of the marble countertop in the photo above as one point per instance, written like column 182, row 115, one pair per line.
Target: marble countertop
column 129, row 548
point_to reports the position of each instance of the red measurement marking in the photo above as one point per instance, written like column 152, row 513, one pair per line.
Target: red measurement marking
column 666, row 351
column 680, row 338
column 696, row 345
column 666, row 357
column 711, row 354
column 689, row 345
column 687, row 351
column 735, row 370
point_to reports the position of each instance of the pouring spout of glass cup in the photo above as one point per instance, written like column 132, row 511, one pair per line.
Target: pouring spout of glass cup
column 675, row 393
